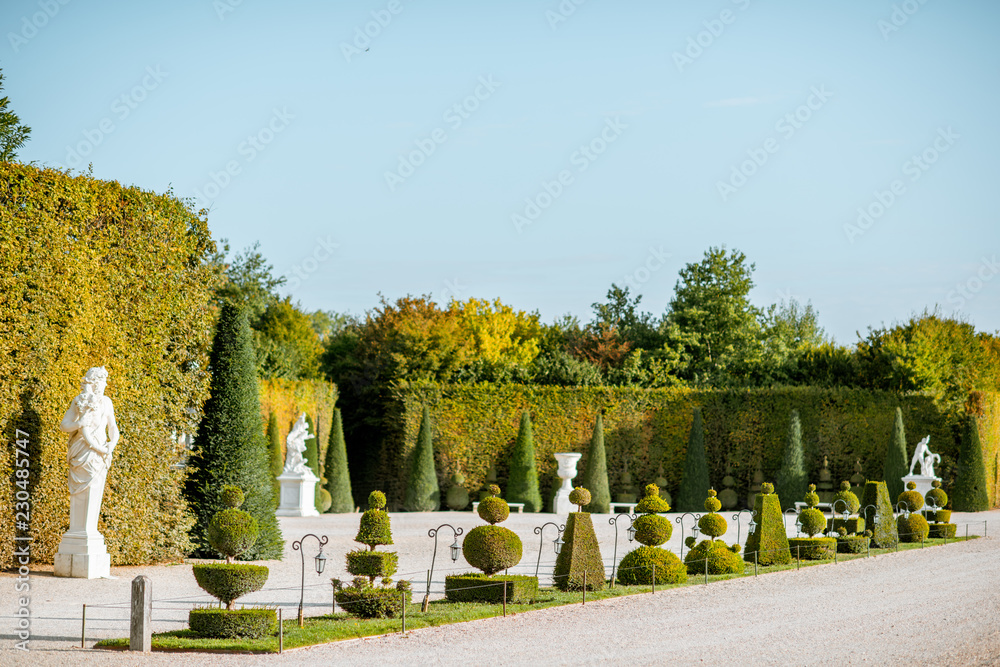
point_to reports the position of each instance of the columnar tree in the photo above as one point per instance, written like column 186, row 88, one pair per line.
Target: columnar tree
column 338, row 481
column 595, row 478
column 969, row 493
column 274, row 451
column 522, row 483
column 230, row 447
column 312, row 448
column 694, row 479
column 790, row 482
column 895, row 458
column 422, row 492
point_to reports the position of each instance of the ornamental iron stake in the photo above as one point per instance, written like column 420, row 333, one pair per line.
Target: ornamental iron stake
column 433, row 532
column 83, row 627
column 402, row 604
column 297, row 546
column 281, row 633
column 584, row 587
column 654, row 576
column 505, row 598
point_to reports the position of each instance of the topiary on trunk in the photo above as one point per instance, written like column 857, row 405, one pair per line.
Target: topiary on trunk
column 721, row 558
column 895, row 467
column 422, row 492
column 230, row 447
column 338, row 480
column 457, row 497
column 969, row 493
column 522, row 483
column 694, row 479
column 651, row 530
column 492, row 548
column 595, row 477
column 790, row 482
column 373, row 530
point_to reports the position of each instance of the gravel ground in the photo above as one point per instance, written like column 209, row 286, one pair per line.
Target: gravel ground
column 919, row 607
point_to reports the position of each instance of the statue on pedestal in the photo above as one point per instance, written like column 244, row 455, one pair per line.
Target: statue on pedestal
column 298, row 483
column 90, row 421
column 295, row 446
column 923, row 455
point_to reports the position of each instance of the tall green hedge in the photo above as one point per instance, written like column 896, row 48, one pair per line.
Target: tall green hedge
column 897, row 465
column 595, row 476
column 93, row 273
column 274, row 452
column 694, row 480
column 969, row 494
column 475, row 424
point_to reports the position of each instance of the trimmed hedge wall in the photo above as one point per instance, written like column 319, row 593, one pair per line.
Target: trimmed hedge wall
column 93, row 273
column 251, row 623
column 475, row 427
column 474, row 587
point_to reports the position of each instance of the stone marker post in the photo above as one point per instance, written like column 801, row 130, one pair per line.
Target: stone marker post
column 140, row 628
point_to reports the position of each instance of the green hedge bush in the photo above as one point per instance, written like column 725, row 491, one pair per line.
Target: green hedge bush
column 492, row 548
column 595, row 476
column 229, row 581
column 580, row 553
column 941, row 530
column 768, row 540
column 722, row 558
column 373, row 601
column 372, row 564
column 970, row 492
column 636, row 568
column 252, row 623
column 912, row 528
column 812, row 548
column 852, row 544
column 652, row 529
column 884, row 533
column 232, row 532
column 423, row 494
column 474, row 587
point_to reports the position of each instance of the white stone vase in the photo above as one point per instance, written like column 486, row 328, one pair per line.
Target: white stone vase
column 567, row 471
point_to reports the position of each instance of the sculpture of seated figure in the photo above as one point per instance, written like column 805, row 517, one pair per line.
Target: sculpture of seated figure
column 925, row 457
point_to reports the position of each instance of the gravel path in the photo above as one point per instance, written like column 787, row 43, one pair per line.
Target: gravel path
column 919, row 607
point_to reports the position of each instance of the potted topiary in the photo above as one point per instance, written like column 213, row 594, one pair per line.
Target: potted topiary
column 721, row 557
column 936, row 501
column 580, row 552
column 491, row 548
column 231, row 532
column 768, row 543
column 651, row 530
column 363, row 598
column 912, row 527
column 812, row 523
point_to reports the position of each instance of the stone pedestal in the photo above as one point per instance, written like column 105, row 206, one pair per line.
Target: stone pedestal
column 924, row 482
column 83, row 555
column 567, row 471
column 298, row 494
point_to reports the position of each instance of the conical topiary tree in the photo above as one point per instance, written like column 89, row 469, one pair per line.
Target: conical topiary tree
column 896, row 467
column 522, row 483
column 422, row 492
column 580, row 552
column 790, row 483
column 274, row 450
column 876, row 509
column 969, row 493
column 768, row 541
column 639, row 566
column 230, row 447
column 338, row 480
column 694, row 479
column 312, row 448
column 595, row 478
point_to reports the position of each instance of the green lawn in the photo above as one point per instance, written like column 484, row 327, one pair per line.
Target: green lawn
column 331, row 628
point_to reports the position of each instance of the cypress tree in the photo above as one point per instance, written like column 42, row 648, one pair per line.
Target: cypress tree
column 969, row 493
column 595, row 478
column 274, row 450
column 522, row 483
column 230, row 447
column 338, row 481
column 422, row 492
column 896, row 466
column 312, row 448
column 791, row 483
column 694, row 479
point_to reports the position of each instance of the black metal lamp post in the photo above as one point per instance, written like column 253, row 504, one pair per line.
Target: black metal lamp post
column 750, row 526
column 845, row 515
column 320, row 563
column 556, row 543
column 455, row 549
column 694, row 529
column 630, row 534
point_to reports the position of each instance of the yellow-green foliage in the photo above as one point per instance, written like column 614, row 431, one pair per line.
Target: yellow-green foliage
column 911, row 498
column 768, row 540
column 652, row 529
column 912, row 528
column 476, row 425
column 849, row 497
column 287, row 399
column 637, row 567
column 813, row 548
column 579, row 554
column 812, row 521
column 884, row 533
column 92, row 274
column 722, row 558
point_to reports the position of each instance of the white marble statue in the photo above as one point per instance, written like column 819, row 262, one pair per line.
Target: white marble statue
column 93, row 435
column 295, row 446
column 925, row 458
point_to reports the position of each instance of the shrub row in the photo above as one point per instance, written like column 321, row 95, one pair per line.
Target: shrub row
column 475, row 588
column 219, row 623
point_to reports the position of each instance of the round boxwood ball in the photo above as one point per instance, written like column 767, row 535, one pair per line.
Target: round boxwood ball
column 937, row 495
column 812, row 521
column 323, row 500
column 232, row 496
column 849, row 497
column 376, row 500
column 652, row 529
column 812, row 498
column 493, row 510
column 651, row 502
column 232, row 531
column 579, row 496
column 712, row 503
column 722, row 559
column 636, row 568
column 767, row 488
column 713, row 525
column 913, row 528
column 911, row 499
column 492, row 548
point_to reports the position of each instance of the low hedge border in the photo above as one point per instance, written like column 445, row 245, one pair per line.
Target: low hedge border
column 852, row 544
column 943, row 530
column 813, row 548
column 475, row 588
column 372, row 601
column 250, row 623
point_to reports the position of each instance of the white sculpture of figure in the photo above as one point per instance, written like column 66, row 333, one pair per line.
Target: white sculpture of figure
column 295, row 446
column 90, row 421
column 925, row 457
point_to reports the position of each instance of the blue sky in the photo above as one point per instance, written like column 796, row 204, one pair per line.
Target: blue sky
column 539, row 151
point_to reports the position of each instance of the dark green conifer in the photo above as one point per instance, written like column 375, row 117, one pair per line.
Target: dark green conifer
column 595, row 478
column 274, row 451
column 969, row 493
column 522, row 483
column 338, row 481
column 694, row 479
column 422, row 492
column 896, row 463
column 790, row 482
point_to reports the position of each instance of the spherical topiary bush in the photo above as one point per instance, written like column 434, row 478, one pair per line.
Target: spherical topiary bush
column 712, row 504
column 374, row 528
column 323, row 500
column 652, row 529
column 637, row 567
column 912, row 528
column 229, row 581
column 492, row 509
column 849, row 497
column 232, row 496
column 579, row 497
column 713, row 524
column 651, row 502
column 492, row 548
column 937, row 496
column 722, row 558
column 231, row 532
column 812, row 521
column 457, row 497
column 767, row 488
column 812, row 498
column 911, row 498
column 376, row 500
